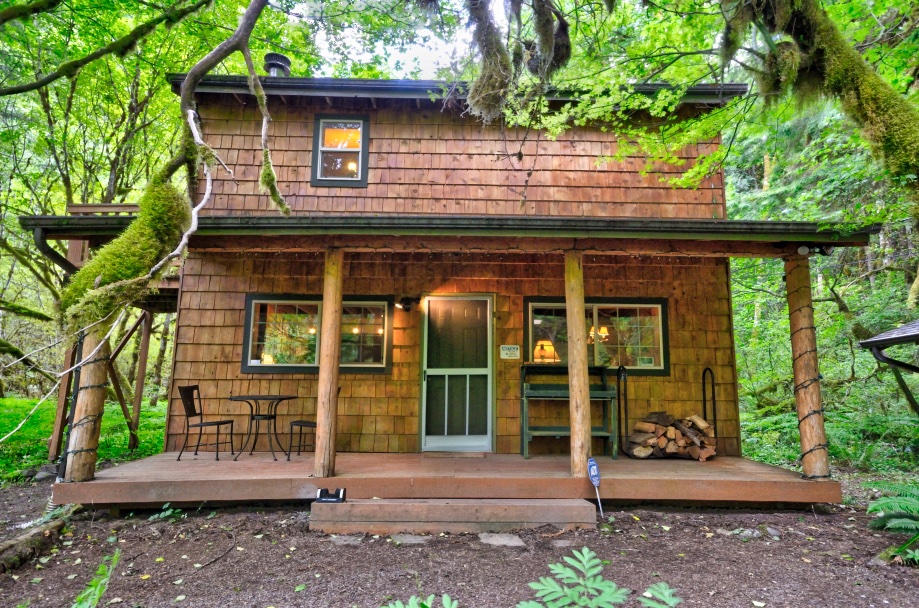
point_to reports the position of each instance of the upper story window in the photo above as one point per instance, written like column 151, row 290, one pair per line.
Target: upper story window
column 627, row 332
column 340, row 146
column 283, row 333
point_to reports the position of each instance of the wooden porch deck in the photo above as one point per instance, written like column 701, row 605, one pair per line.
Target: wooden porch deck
column 154, row 481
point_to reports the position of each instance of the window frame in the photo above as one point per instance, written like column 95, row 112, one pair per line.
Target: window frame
column 529, row 302
column 363, row 155
column 351, row 300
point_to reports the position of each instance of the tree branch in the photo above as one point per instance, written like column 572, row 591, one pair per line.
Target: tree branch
column 120, row 46
column 18, row 11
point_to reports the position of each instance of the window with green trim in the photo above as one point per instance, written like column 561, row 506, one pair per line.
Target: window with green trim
column 283, row 334
column 340, row 152
column 630, row 333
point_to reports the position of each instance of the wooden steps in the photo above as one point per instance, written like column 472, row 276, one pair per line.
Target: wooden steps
column 454, row 515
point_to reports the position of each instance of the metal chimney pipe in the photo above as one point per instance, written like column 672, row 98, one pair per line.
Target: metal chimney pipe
column 277, row 65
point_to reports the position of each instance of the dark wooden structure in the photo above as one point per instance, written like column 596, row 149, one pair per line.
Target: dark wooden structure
column 448, row 220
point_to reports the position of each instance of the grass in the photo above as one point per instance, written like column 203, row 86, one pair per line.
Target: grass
column 29, row 446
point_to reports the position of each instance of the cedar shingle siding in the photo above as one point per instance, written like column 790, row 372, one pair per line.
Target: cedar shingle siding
column 432, row 161
column 381, row 412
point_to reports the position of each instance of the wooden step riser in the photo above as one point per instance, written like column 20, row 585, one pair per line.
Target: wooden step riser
column 454, row 516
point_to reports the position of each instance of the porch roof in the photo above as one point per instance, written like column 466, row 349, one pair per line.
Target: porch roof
column 811, row 234
column 904, row 334
column 426, row 90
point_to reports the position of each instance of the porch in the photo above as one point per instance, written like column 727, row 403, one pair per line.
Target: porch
column 154, row 481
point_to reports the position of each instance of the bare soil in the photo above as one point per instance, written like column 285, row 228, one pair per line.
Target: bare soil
column 260, row 556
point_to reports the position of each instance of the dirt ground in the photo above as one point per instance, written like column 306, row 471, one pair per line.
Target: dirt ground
column 266, row 556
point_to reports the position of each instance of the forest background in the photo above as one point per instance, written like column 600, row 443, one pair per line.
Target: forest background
column 97, row 136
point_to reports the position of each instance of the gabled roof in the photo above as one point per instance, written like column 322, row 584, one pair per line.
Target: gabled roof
column 707, row 94
column 902, row 335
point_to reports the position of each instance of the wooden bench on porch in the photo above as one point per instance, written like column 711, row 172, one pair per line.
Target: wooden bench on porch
column 603, row 392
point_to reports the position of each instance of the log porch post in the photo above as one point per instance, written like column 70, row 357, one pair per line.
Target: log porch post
column 87, row 416
column 329, row 356
column 815, row 458
column 579, row 389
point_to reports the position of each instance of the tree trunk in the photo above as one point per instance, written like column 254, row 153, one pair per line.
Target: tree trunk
column 87, row 417
column 161, row 361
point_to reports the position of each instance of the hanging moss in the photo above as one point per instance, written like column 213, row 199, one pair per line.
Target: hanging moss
column 544, row 25
column 268, row 183
column 739, row 17
column 23, row 311
column 488, row 92
column 116, row 274
column 780, row 70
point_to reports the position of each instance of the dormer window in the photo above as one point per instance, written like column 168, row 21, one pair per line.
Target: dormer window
column 340, row 151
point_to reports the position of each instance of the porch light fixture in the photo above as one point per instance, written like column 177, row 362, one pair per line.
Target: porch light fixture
column 408, row 303
column 545, row 352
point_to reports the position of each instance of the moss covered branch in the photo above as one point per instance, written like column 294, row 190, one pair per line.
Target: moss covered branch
column 23, row 311
column 121, row 46
column 21, row 11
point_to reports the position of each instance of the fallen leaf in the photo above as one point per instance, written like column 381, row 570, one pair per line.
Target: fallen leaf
column 299, row 588
column 36, row 580
column 759, row 604
column 198, row 566
column 636, row 518
column 144, row 577
column 115, row 600
column 709, row 534
column 805, row 560
column 240, row 549
column 70, row 577
column 180, row 598
column 178, row 581
column 160, row 559
column 665, row 528
column 44, row 560
column 259, row 535
column 79, row 560
column 16, row 577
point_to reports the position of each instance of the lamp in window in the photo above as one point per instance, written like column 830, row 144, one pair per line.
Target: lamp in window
column 267, row 359
column 604, row 333
column 545, row 352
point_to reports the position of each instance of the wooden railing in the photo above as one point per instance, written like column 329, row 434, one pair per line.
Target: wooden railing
column 101, row 209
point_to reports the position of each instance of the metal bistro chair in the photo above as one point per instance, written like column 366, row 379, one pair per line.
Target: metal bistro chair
column 191, row 399
column 300, row 425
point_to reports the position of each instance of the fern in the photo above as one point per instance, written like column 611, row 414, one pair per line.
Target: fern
column 899, row 513
column 417, row 602
column 895, row 504
column 910, row 490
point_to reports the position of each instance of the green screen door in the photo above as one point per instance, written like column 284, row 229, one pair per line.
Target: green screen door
column 457, row 374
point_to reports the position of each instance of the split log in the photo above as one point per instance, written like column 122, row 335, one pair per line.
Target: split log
column 661, row 418
column 645, row 427
column 638, row 451
column 700, row 422
column 688, row 432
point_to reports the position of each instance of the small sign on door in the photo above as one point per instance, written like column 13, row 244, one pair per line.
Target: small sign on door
column 510, row 351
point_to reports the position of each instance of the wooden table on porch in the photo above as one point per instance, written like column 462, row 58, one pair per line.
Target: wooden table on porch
column 256, row 416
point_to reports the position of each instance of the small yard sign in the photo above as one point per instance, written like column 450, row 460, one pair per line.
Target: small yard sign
column 593, row 471
column 510, row 351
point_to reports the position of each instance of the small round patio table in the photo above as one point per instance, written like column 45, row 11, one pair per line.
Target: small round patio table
column 256, row 417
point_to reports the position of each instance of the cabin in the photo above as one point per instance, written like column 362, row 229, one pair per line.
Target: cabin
column 432, row 271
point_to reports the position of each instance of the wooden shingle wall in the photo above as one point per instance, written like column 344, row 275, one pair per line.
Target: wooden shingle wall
column 381, row 412
column 431, row 160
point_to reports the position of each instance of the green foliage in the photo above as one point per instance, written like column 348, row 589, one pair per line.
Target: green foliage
column 92, row 594
column 428, row 602
column 28, row 448
column 168, row 513
column 110, row 278
column 580, row 583
column 899, row 513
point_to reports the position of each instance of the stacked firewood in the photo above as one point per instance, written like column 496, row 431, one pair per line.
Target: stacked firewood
column 660, row 435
